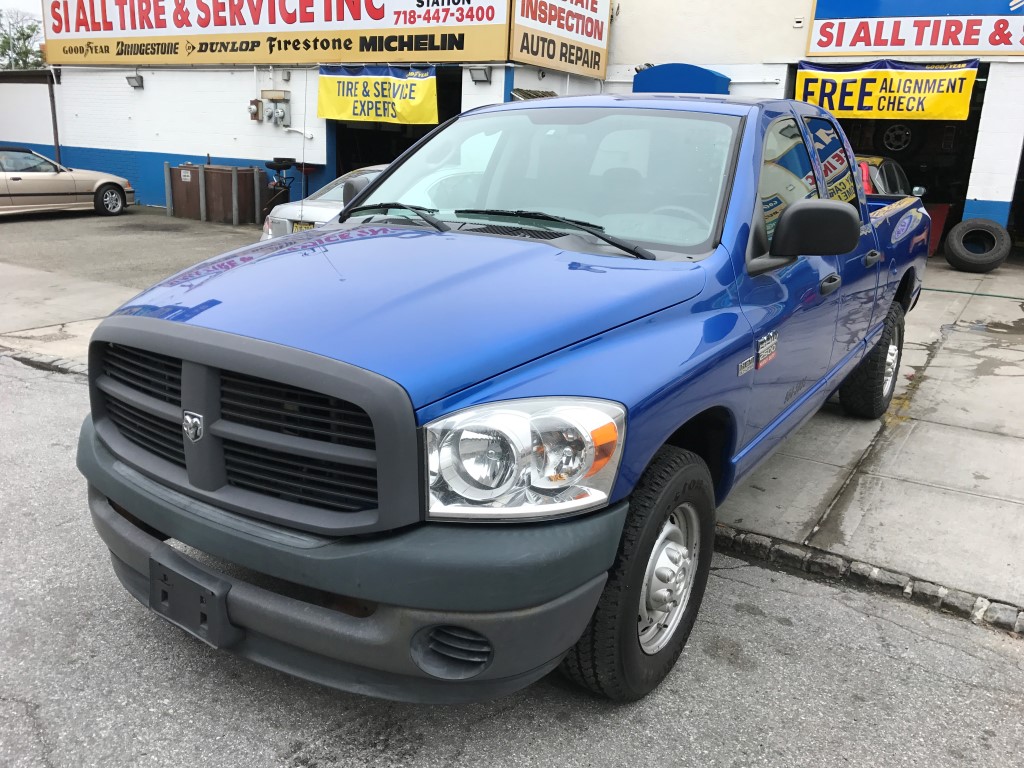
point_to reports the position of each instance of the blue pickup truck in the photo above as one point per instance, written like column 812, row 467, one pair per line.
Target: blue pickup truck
column 477, row 429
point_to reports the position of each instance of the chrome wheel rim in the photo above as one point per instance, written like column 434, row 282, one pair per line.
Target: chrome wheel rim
column 112, row 201
column 892, row 356
column 668, row 580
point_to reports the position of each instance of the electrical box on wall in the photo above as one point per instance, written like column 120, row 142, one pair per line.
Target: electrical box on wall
column 276, row 109
column 255, row 109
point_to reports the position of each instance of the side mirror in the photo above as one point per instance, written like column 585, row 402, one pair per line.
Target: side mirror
column 816, row 228
column 353, row 187
column 918, row 191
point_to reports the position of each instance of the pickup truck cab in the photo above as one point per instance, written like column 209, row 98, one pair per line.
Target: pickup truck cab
column 478, row 428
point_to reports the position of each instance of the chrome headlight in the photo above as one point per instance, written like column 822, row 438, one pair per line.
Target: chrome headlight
column 523, row 459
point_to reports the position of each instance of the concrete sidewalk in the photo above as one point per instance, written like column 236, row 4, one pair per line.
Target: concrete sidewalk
column 934, row 490
column 62, row 273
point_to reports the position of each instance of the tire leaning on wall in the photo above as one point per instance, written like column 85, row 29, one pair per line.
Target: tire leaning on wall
column 977, row 245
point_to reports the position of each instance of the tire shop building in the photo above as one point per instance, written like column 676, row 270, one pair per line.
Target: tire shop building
column 935, row 84
column 141, row 83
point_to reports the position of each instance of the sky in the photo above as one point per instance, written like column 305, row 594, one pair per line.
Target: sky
column 34, row 7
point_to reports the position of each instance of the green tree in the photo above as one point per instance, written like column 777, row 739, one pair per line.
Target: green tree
column 20, row 35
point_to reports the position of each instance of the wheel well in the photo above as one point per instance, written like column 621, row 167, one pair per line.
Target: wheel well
column 903, row 293
column 710, row 435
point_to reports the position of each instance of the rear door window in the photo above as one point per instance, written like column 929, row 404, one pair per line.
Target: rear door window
column 839, row 179
column 25, row 162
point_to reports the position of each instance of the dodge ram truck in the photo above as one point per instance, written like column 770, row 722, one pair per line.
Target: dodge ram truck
column 476, row 429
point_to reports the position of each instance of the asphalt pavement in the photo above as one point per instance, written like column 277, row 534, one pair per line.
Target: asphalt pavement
column 781, row 669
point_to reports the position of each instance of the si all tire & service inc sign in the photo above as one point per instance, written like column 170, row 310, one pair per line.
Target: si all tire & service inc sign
column 859, row 27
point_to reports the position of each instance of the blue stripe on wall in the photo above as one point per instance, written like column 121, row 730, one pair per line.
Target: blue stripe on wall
column 855, row 9
column 993, row 210
column 145, row 170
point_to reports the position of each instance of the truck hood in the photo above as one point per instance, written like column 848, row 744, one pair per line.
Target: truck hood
column 436, row 312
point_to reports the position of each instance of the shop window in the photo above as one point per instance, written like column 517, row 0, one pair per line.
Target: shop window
column 787, row 175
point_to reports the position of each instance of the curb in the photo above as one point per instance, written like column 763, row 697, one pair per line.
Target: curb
column 976, row 608
column 46, row 362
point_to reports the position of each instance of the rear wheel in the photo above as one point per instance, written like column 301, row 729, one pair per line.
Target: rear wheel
column 868, row 391
column 109, row 200
column 656, row 585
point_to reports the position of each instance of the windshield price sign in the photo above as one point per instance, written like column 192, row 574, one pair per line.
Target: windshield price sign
column 858, row 27
column 568, row 35
column 140, row 32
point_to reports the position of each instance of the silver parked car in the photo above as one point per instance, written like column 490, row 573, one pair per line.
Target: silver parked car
column 322, row 206
column 30, row 182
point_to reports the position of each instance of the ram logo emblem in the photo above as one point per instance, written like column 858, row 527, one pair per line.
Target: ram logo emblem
column 192, row 425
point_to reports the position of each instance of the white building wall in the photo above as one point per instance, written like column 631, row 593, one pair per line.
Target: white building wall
column 195, row 112
column 1000, row 138
column 25, row 114
column 705, row 33
column 481, row 94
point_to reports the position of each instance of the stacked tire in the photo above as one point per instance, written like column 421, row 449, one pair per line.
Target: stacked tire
column 977, row 245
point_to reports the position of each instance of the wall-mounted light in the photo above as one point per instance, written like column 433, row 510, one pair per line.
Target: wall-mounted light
column 135, row 81
column 480, row 75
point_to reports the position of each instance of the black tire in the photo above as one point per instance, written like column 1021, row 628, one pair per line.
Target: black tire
column 608, row 659
column 109, row 200
column 977, row 245
column 867, row 391
column 899, row 139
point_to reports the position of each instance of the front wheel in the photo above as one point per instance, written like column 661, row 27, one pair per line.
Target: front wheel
column 656, row 584
column 868, row 391
column 109, row 200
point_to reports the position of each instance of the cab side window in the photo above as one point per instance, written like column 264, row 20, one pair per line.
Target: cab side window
column 786, row 172
column 835, row 162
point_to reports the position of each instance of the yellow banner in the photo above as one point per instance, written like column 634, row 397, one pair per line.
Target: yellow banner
column 890, row 90
column 378, row 94
column 439, row 44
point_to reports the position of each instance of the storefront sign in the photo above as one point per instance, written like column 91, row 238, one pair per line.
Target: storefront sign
column 568, row 35
column 378, row 94
column 859, row 27
column 890, row 89
column 195, row 32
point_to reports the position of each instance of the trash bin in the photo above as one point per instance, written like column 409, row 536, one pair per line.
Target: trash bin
column 218, row 202
column 185, row 191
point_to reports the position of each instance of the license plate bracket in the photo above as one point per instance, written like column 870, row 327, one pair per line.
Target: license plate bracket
column 191, row 599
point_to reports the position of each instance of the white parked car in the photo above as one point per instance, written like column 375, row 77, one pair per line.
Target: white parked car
column 322, row 206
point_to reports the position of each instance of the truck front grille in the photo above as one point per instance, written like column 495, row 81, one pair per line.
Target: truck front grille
column 273, row 440
column 293, row 411
column 302, row 480
column 152, row 374
column 151, row 433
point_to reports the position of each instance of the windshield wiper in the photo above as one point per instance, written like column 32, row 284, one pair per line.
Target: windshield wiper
column 631, row 248
column 419, row 210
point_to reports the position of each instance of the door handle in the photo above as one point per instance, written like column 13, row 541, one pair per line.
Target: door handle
column 15, row 178
column 829, row 284
column 872, row 258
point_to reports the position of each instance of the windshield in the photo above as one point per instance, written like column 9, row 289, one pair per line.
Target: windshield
column 656, row 177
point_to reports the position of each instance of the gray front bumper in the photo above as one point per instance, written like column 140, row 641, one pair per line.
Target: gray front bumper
column 530, row 590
